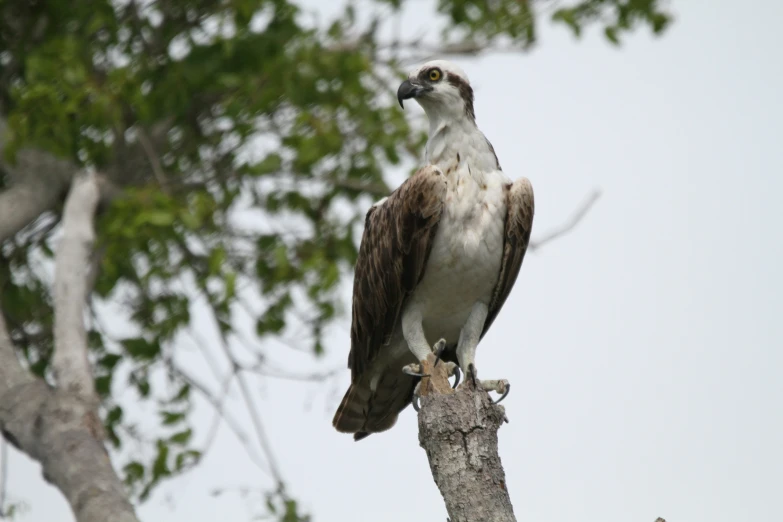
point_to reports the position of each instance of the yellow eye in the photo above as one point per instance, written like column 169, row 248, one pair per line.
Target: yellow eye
column 434, row 75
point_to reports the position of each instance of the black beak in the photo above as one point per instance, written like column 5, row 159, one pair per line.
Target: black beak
column 408, row 90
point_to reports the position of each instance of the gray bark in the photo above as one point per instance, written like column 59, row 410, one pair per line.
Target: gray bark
column 37, row 180
column 60, row 431
column 60, row 427
column 459, row 432
column 71, row 274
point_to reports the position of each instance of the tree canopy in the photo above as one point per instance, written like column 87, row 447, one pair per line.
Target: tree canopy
column 238, row 144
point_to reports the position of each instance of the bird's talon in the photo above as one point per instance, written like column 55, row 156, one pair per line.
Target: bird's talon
column 413, row 369
column 437, row 349
column 472, row 374
column 457, row 375
column 507, row 387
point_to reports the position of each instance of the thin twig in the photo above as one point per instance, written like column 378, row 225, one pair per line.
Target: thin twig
column 213, row 429
column 3, row 474
column 152, row 156
column 252, row 410
column 230, row 421
column 290, row 376
column 262, row 438
column 569, row 225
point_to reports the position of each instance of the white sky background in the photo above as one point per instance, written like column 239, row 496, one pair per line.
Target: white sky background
column 644, row 349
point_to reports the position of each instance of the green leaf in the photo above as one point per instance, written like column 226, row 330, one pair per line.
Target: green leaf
column 134, row 472
column 103, row 385
column 109, row 361
column 183, row 393
column 272, row 163
column 611, row 34
column 568, row 17
column 231, row 284
column 186, row 459
column 159, row 218
column 181, row 438
column 160, row 466
column 141, row 349
column 115, row 415
column 172, row 417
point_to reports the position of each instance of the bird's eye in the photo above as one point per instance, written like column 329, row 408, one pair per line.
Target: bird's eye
column 434, row 75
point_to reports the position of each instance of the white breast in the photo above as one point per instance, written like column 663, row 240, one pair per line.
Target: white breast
column 466, row 255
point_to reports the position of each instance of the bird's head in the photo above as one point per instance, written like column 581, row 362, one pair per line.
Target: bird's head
column 441, row 88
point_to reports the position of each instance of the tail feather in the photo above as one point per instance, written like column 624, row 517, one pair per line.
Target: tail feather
column 364, row 411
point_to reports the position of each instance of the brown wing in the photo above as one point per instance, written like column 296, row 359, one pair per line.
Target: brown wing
column 395, row 246
column 519, row 223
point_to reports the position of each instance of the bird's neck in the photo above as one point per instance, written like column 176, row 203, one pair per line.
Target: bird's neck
column 453, row 136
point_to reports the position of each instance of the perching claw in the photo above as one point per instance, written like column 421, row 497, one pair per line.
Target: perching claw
column 437, row 349
column 501, row 386
column 413, row 369
column 505, row 393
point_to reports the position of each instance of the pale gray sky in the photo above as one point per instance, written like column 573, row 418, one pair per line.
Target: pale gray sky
column 645, row 349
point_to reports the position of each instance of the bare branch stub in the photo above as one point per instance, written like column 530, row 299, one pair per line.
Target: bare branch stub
column 569, row 225
column 458, row 430
column 436, row 378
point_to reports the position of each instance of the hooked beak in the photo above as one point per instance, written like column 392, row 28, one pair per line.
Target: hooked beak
column 409, row 90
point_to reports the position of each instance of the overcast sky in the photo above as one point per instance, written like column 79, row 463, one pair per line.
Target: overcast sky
column 645, row 348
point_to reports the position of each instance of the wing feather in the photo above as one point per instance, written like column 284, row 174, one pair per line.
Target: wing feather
column 520, row 207
column 393, row 253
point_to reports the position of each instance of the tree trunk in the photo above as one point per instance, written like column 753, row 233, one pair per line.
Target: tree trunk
column 60, row 427
column 459, row 431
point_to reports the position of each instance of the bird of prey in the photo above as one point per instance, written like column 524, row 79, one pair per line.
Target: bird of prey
column 437, row 260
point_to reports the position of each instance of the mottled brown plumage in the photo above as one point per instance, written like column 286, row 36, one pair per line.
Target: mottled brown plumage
column 395, row 246
column 438, row 257
column 519, row 225
column 394, row 250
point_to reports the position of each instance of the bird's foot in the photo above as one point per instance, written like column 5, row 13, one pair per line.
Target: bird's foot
column 501, row 386
column 416, row 369
column 433, row 376
column 453, row 370
column 413, row 369
column 437, row 349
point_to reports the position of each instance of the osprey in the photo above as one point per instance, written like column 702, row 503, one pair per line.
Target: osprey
column 437, row 260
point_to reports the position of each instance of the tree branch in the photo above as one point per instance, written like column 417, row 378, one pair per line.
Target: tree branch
column 72, row 269
column 38, row 179
column 3, row 474
column 60, row 428
column 569, row 225
column 11, row 372
column 459, row 432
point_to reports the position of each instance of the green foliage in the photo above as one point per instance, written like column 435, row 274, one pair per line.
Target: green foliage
column 617, row 16
column 244, row 146
column 486, row 22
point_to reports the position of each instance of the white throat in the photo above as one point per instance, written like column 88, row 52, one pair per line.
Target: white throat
column 453, row 133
